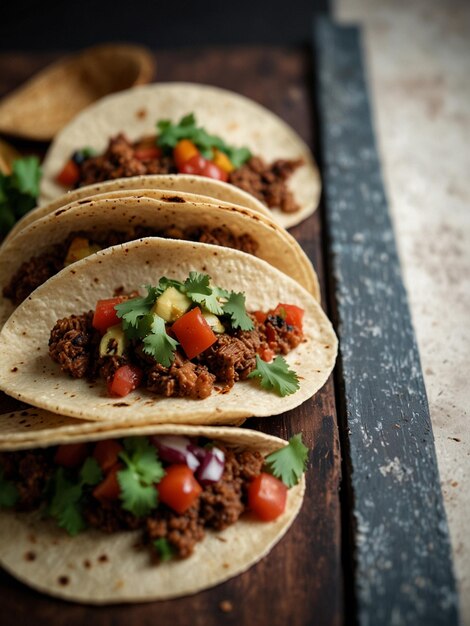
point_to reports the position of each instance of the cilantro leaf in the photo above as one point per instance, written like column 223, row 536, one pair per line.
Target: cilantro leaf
column 131, row 311
column 18, row 191
column 26, row 175
column 165, row 282
column 199, row 290
column 289, row 463
column 159, row 344
column 164, row 549
column 186, row 128
column 91, row 473
column 65, row 503
column 236, row 309
column 137, row 480
column 8, row 492
column 276, row 376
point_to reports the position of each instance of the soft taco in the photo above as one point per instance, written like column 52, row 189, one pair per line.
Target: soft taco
column 195, row 345
column 135, row 514
column 75, row 231
column 197, row 189
column 201, row 130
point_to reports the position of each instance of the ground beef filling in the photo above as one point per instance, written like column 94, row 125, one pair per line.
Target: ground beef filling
column 74, row 345
column 218, row 506
column 34, row 272
column 267, row 182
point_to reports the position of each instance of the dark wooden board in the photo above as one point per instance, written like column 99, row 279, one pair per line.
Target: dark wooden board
column 402, row 559
column 300, row 581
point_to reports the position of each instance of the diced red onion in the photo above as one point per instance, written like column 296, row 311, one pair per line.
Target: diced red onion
column 175, row 449
column 199, row 453
column 212, row 467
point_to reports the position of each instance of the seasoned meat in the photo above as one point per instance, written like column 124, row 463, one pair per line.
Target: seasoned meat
column 33, row 273
column 181, row 531
column 119, row 161
column 183, row 379
column 109, row 516
column 30, row 472
column 232, row 357
column 72, row 344
column 280, row 336
column 268, row 183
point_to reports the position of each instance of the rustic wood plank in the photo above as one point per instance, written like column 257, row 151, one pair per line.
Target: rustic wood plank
column 403, row 568
column 300, row 581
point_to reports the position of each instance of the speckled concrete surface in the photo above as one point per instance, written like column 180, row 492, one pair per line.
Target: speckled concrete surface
column 418, row 58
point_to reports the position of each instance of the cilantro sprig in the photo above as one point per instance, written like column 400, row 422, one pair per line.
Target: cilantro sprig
column 276, row 376
column 164, row 549
column 8, row 492
column 67, row 495
column 137, row 480
column 139, row 322
column 18, row 191
column 289, row 463
column 186, row 128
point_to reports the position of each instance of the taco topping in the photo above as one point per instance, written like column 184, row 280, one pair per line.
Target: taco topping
column 179, row 340
column 185, row 148
column 78, row 245
column 172, row 488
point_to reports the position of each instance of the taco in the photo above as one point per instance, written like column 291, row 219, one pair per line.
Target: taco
column 135, row 514
column 197, row 189
column 75, row 231
column 201, row 130
column 196, row 345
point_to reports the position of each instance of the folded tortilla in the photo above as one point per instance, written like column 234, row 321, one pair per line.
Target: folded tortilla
column 28, row 373
column 236, row 119
column 197, row 189
column 275, row 245
column 96, row 568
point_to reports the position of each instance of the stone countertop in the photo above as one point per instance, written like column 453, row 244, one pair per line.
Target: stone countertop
column 418, row 60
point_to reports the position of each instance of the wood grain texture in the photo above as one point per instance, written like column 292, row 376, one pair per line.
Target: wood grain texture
column 300, row 582
column 403, row 568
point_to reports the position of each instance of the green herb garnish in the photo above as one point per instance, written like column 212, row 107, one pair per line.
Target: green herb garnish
column 132, row 311
column 236, row 309
column 198, row 289
column 276, row 376
column 164, row 549
column 289, row 463
column 66, row 502
column 186, row 128
column 18, row 191
column 8, row 492
column 137, row 480
column 159, row 344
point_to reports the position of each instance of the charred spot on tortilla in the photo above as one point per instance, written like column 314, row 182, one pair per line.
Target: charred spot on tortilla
column 173, row 199
column 14, row 369
column 59, row 212
column 63, row 580
column 87, row 564
column 30, row 556
column 103, row 558
column 141, row 114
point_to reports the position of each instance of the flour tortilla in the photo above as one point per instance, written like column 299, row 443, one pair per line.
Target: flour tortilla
column 123, row 209
column 198, row 189
column 127, row 574
column 238, row 120
column 28, row 374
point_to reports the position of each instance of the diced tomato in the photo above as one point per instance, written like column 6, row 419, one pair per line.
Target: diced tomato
column 291, row 313
column 109, row 488
column 148, row 153
column 222, row 161
column 126, row 379
column 71, row 454
column 194, row 165
column 193, row 332
column 267, row 497
column 178, row 488
column 105, row 314
column 211, row 170
column 184, row 151
column 260, row 316
column 69, row 174
column 266, row 354
column 106, row 453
